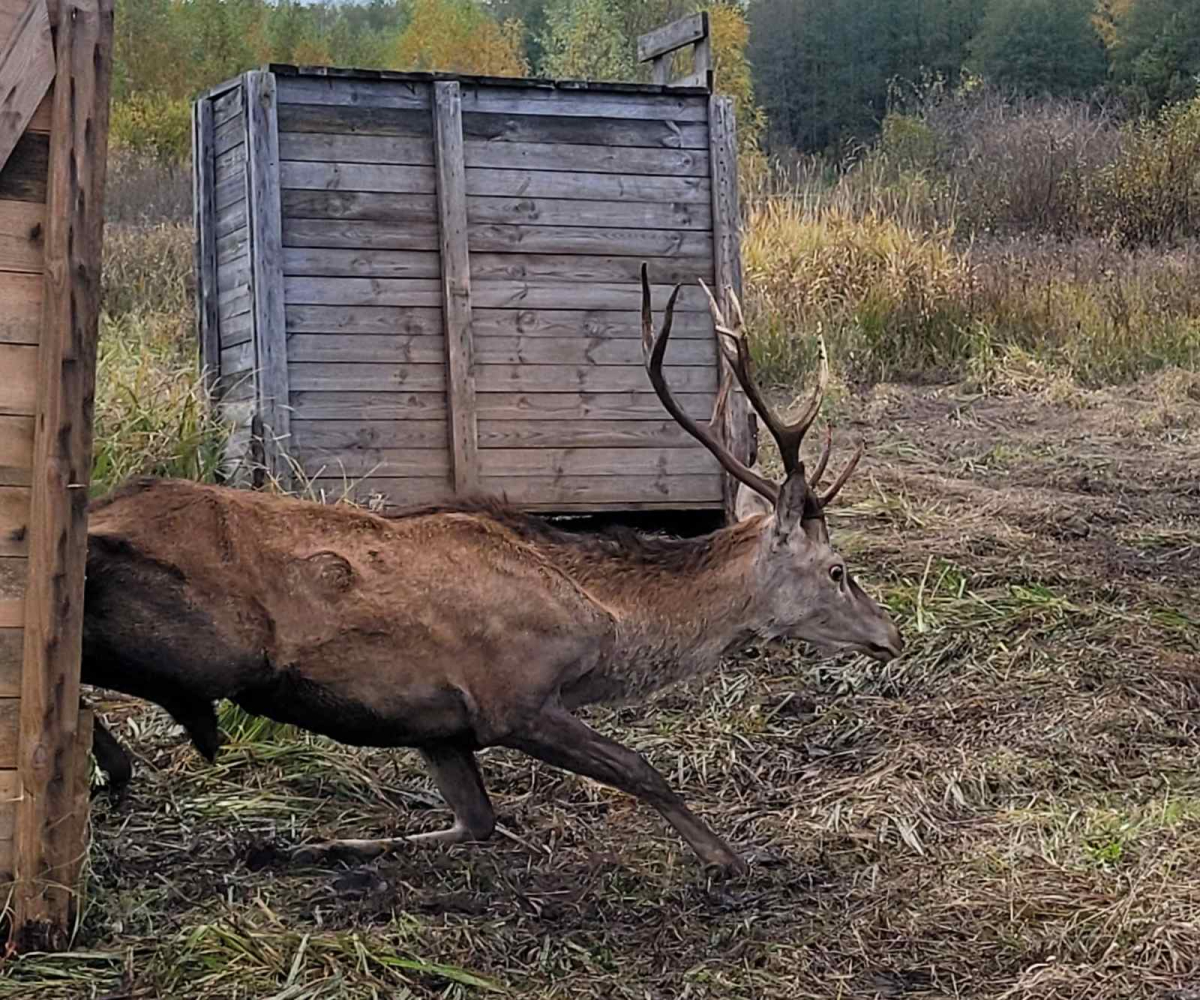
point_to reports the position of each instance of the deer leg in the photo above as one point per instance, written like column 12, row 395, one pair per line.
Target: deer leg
column 456, row 774
column 111, row 757
column 558, row 738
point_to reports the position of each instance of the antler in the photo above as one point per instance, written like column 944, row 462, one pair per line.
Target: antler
column 654, row 347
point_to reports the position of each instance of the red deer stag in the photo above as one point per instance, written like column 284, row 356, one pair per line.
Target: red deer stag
column 454, row 628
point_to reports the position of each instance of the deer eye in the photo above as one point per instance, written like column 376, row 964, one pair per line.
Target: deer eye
column 837, row 574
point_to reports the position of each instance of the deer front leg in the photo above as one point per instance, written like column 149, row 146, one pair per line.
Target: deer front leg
column 558, row 738
column 456, row 774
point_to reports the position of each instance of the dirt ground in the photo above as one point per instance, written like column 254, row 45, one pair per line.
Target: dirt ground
column 1011, row 810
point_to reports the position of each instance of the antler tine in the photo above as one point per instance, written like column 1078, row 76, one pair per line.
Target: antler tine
column 841, row 480
column 654, row 347
column 815, row 479
column 788, row 437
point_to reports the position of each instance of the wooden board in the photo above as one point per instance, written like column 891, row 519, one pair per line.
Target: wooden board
column 668, row 38
column 237, row 330
column 590, row 323
column 345, row 435
column 589, row 378
column 204, row 249
column 14, row 575
column 26, row 72
column 401, row 492
column 22, row 235
column 357, row 177
column 18, row 387
column 227, row 105
column 231, row 219
column 229, row 134
column 341, row 92
column 9, row 722
column 363, row 291
column 583, row 103
column 564, row 462
column 357, row 406
column 230, row 191
column 578, row 239
column 359, row 234
column 23, row 177
column 14, row 520
column 618, row 489
column 368, row 206
column 368, row 378
column 576, row 213
column 587, row 131
column 234, row 302
column 387, row 462
column 582, row 434
column 327, row 262
column 366, row 349
column 587, row 267
column 236, row 359
column 325, row 148
column 20, row 321
column 346, row 120
column 235, row 244
column 12, row 641
column 16, row 450
column 378, row 320
column 232, row 161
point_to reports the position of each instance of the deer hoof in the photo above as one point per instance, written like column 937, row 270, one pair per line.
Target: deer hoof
column 727, row 868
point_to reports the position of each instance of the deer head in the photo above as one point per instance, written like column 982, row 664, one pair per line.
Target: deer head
column 801, row 583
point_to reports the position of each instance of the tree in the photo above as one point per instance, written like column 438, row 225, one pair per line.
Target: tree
column 1156, row 51
column 1041, row 46
column 583, row 40
column 459, row 36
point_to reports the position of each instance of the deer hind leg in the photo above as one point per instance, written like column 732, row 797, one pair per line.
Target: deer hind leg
column 557, row 737
column 111, row 758
column 456, row 774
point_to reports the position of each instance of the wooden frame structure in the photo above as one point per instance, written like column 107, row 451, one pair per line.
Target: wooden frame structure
column 426, row 285
column 55, row 70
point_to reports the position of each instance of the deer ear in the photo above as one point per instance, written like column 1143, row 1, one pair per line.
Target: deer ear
column 749, row 503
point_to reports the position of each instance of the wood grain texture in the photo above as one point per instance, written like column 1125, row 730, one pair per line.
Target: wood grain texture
column 303, row 174
column 587, row 267
column 348, row 120
column 16, row 450
column 48, row 838
column 397, row 491
column 342, row 93
column 372, row 320
column 345, row 435
column 370, row 206
column 668, row 38
column 18, row 387
column 539, row 434
column 405, row 461
column 574, row 212
column 26, row 73
column 614, row 489
column 368, row 378
column 22, row 236
column 590, row 323
column 14, row 520
column 572, row 157
column 237, row 330
column 9, row 746
column 204, row 217
column 12, row 642
column 351, row 234
column 23, row 177
column 594, row 240
column 583, row 103
column 740, row 430
column 365, row 349
column 355, row 406
column 229, row 135
column 564, row 462
column 230, row 162
column 21, row 318
column 586, row 131
column 589, row 378
column 332, row 148
column 266, row 258
column 328, row 262
column 226, row 106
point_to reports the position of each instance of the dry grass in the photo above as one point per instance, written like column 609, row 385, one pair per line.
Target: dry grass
column 1010, row 810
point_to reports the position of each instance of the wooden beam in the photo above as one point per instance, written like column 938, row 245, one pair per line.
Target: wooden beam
column 266, row 258
column 204, row 217
column 665, row 40
column 456, row 283
column 26, row 72
column 46, row 846
column 740, row 428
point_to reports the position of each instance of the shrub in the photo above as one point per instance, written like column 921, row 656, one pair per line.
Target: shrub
column 154, row 126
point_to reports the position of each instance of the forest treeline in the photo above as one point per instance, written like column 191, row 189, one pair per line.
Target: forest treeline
column 809, row 75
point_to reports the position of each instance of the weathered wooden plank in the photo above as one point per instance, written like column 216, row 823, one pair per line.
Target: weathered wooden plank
column 232, row 219
column 406, row 462
column 670, row 37
column 589, row 378
column 234, row 302
column 587, row 267
column 14, row 520
column 583, row 323
column 587, row 131
column 398, row 492
column 18, row 387
column 327, row 262
column 574, row 212
column 233, row 273
column 598, row 240
column 740, row 430
column 9, row 740
column 326, row 148
column 270, row 341
column 538, row 434
column 485, row 294
column 370, row 405
column 49, row 834
column 205, row 241
column 367, row 349
column 237, row 359
column 227, row 105
column 549, row 490
column 229, row 134
column 583, row 103
column 12, row 641
column 232, row 161
column 20, row 320
column 342, row 93
column 22, row 233
column 309, row 175
column 383, row 320
column 237, row 330
column 489, row 182
column 347, row 435
column 230, row 191
column 341, row 120
column 358, row 234
column 234, row 244
column 586, row 405
column 26, row 73
column 16, row 450
column 368, row 378
column 593, row 159
column 558, row 462
column 14, row 576
column 23, row 177
column 374, row 206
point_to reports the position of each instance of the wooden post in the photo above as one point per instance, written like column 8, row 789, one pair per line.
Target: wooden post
column 456, row 283
column 266, row 276
column 740, row 425
column 204, row 216
column 45, row 853
column 657, row 47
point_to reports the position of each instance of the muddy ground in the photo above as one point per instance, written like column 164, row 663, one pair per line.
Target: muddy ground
column 1011, row 810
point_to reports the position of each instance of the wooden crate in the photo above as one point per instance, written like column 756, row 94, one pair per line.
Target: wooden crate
column 52, row 150
column 427, row 285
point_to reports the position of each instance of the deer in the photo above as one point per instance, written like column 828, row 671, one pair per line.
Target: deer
column 457, row 627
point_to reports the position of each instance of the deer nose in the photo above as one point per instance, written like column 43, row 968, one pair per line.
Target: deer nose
column 891, row 647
